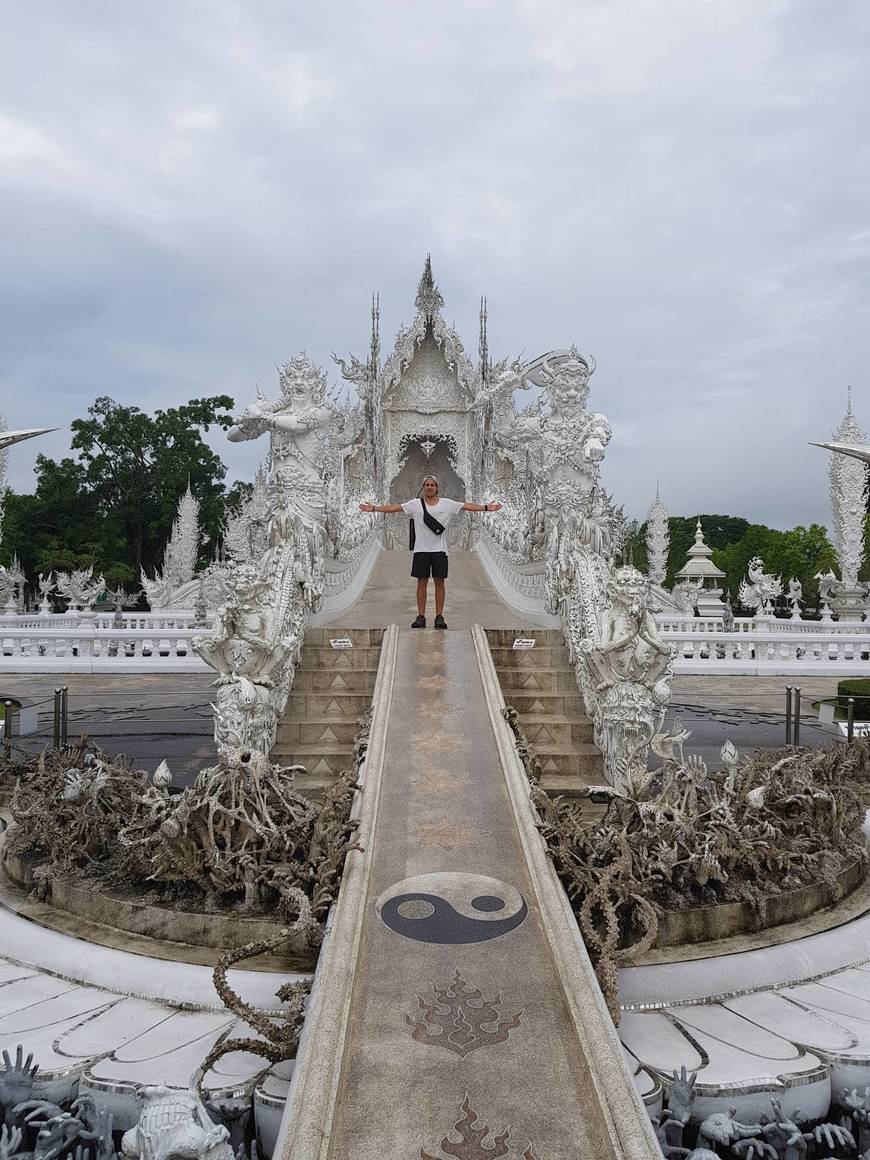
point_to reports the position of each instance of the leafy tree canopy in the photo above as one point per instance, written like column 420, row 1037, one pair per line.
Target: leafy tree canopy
column 800, row 552
column 719, row 531
column 114, row 505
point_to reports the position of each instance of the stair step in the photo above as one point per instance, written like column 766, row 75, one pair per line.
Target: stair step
column 332, row 681
column 320, row 760
column 556, row 729
column 332, row 703
column 505, row 637
column 324, row 730
column 338, row 659
column 540, row 702
column 583, row 761
column 546, row 680
column 543, row 657
column 361, row 637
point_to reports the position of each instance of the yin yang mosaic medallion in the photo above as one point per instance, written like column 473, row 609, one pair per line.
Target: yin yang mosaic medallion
column 451, row 908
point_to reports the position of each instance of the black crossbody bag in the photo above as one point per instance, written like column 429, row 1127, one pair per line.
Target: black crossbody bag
column 431, row 523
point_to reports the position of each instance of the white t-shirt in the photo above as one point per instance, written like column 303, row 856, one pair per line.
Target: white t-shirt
column 443, row 511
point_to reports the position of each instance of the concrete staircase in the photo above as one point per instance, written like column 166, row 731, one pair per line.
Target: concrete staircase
column 332, row 689
column 540, row 684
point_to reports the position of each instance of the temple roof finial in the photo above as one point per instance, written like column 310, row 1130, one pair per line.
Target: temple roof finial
column 429, row 300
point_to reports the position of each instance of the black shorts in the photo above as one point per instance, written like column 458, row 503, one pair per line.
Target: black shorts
column 426, row 564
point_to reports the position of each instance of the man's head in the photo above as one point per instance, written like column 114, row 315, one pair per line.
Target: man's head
column 429, row 487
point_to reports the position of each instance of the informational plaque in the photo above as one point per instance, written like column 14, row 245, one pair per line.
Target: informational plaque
column 341, row 642
column 524, row 642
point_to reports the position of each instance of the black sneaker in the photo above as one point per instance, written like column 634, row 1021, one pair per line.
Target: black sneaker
column 420, row 622
column 440, row 622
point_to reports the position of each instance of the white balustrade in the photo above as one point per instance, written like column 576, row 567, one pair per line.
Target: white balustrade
column 151, row 647
column 105, row 621
column 667, row 622
column 825, row 652
column 520, row 585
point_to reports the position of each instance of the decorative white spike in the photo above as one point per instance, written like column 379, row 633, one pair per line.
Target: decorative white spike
column 658, row 540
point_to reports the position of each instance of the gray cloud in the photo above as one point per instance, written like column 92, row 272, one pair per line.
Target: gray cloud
column 193, row 192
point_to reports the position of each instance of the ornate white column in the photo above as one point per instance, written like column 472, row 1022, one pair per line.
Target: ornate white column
column 658, row 538
column 848, row 503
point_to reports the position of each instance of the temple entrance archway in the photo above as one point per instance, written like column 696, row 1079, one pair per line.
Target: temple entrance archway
column 425, row 454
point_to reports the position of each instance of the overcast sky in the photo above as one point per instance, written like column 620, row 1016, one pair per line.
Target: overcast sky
column 192, row 191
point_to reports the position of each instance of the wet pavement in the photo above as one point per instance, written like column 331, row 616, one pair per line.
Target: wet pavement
column 149, row 718
column 146, row 718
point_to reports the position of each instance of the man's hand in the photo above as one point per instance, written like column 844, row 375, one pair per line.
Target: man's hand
column 366, row 507
column 494, row 507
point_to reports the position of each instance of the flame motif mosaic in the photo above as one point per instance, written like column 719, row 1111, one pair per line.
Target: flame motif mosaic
column 459, row 1019
column 475, row 1143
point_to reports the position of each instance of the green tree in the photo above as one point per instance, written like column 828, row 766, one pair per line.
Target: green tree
column 113, row 506
column 137, row 467
column 801, row 552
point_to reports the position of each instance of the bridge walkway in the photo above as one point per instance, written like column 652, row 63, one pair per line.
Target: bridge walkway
column 443, row 1003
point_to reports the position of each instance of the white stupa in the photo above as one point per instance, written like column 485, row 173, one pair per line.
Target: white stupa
column 700, row 571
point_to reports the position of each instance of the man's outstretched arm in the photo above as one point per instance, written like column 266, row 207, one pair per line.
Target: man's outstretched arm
column 482, row 507
column 380, row 507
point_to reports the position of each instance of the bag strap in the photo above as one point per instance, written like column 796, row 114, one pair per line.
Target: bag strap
column 429, row 520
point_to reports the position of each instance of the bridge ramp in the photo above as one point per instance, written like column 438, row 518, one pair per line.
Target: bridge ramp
column 439, row 1001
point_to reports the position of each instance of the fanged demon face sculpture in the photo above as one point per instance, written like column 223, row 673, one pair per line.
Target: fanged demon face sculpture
column 569, row 381
column 301, row 381
column 629, row 587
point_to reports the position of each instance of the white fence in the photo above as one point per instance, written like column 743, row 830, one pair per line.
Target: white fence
column 97, row 648
column 183, row 619
column 668, row 622
column 758, row 651
column 148, row 642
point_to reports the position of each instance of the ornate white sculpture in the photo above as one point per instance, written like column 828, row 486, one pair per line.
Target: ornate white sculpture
column 795, row 597
column 848, row 475
column 79, row 588
column 257, row 634
column 685, row 593
column 46, row 587
column 175, row 1123
column 827, row 583
column 298, row 424
column 658, row 538
column 568, row 440
column 15, row 579
column 174, row 585
column 761, row 588
column 624, row 671
column 848, row 488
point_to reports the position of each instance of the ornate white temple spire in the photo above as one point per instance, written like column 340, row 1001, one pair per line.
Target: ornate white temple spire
column 483, row 345
column 658, row 540
column 429, row 300
column 848, row 477
column 183, row 547
column 375, row 347
column 179, row 556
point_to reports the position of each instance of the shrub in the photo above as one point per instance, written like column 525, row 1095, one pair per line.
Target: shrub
column 859, row 688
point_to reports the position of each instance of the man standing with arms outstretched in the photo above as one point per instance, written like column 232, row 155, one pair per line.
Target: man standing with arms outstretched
column 430, row 516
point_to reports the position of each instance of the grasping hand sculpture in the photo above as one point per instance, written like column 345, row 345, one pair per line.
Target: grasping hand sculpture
column 16, row 1081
